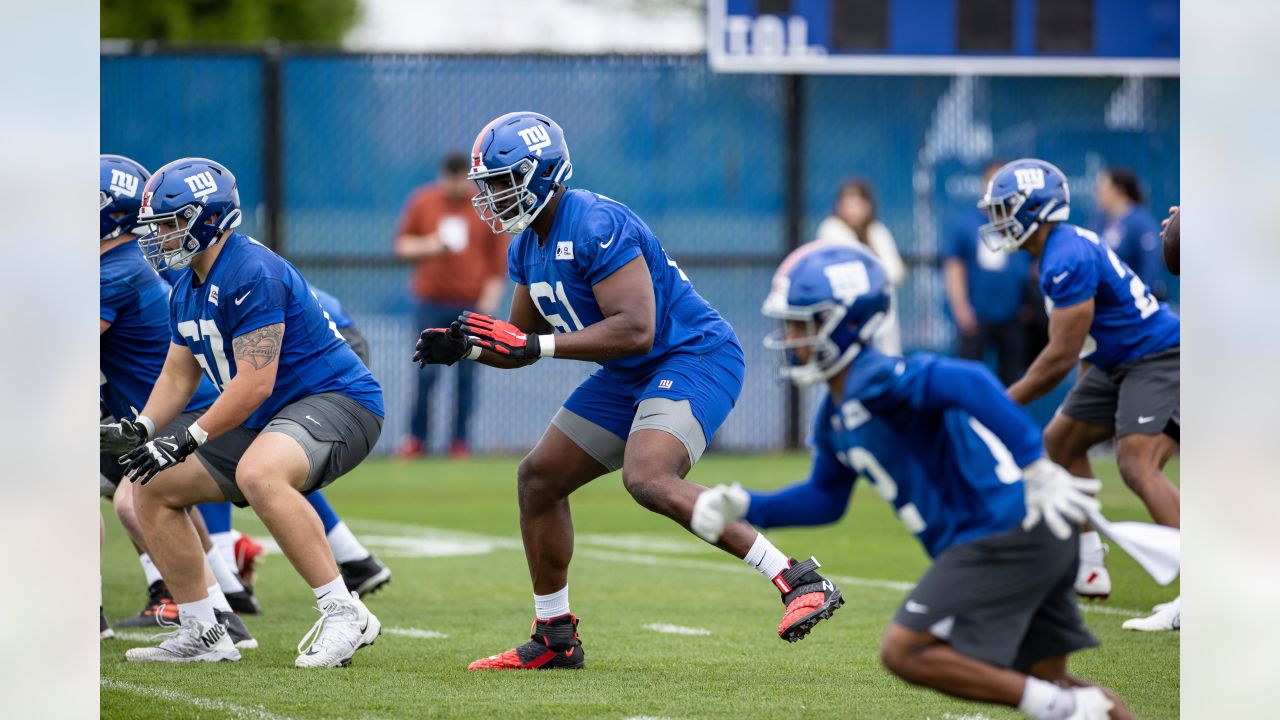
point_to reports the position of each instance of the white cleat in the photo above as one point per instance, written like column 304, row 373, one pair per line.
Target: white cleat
column 1163, row 617
column 1093, row 582
column 344, row 627
column 1091, row 704
column 193, row 641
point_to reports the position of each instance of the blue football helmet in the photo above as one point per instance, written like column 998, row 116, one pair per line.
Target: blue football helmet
column 190, row 202
column 1022, row 195
column 517, row 161
column 840, row 292
column 120, row 183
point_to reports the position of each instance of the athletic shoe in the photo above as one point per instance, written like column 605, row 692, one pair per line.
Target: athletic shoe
column 365, row 576
column 161, row 610
column 248, row 554
column 1091, row 704
column 1165, row 616
column 459, row 450
column 553, row 644
column 410, row 448
column 345, row 626
column 1093, row 582
column 193, row 641
column 244, row 602
column 240, row 636
column 809, row 597
column 104, row 630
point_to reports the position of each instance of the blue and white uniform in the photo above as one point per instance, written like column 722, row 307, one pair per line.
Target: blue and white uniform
column 249, row 287
column 695, row 355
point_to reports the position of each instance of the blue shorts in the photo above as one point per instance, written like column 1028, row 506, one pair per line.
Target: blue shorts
column 711, row 382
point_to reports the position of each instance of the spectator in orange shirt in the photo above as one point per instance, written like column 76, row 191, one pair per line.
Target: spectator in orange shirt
column 460, row 265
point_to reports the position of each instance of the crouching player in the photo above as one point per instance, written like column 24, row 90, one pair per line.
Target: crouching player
column 995, row 617
column 296, row 410
column 671, row 370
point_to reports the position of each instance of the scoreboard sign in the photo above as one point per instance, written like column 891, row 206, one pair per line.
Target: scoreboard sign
column 949, row 37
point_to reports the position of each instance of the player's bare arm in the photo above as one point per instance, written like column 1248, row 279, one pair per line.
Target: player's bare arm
column 103, row 326
column 178, row 381
column 627, row 303
column 1068, row 328
column 257, row 355
column 417, row 247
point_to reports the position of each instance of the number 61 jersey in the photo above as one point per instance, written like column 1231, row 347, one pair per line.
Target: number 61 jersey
column 591, row 238
column 250, row 287
column 1128, row 322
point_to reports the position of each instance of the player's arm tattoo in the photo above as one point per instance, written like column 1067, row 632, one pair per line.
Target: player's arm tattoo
column 260, row 347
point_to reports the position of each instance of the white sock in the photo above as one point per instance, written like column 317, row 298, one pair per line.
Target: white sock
column 149, row 569
column 553, row 605
column 1091, row 546
column 218, row 599
column 225, row 543
column 344, row 544
column 766, row 558
column 226, row 577
column 201, row 610
column 335, row 588
column 1042, row 700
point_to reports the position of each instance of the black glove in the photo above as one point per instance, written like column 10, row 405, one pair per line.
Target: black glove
column 143, row 463
column 441, row 346
column 119, row 438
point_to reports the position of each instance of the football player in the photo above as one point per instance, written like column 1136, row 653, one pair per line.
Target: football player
column 296, row 410
column 994, row 618
column 133, row 339
column 590, row 270
column 1103, row 315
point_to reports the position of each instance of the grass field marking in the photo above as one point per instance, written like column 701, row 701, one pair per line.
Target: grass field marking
column 416, row 633
column 670, row 629
column 635, row 558
column 207, row 704
column 139, row 636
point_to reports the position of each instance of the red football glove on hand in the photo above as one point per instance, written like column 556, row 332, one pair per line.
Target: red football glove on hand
column 500, row 336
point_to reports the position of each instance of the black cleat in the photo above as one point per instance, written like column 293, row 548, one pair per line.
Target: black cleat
column 809, row 597
column 244, row 602
column 553, row 644
column 240, row 636
column 365, row 576
column 161, row 610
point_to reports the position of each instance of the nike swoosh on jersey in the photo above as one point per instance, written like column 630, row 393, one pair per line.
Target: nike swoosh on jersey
column 605, row 246
column 242, row 297
column 1056, row 279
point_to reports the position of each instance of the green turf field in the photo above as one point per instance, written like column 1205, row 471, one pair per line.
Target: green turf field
column 461, row 591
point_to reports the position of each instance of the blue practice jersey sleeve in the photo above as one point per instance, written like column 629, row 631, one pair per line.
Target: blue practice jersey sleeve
column 609, row 241
column 1070, row 280
column 971, row 387
column 820, row 500
column 256, row 304
column 111, row 296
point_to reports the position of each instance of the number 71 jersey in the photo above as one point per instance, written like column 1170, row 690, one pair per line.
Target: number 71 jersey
column 1128, row 322
column 591, row 238
column 250, row 287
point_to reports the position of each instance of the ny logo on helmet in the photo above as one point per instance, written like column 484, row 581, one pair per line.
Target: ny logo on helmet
column 848, row 280
column 1031, row 178
column 201, row 184
column 536, row 137
column 122, row 183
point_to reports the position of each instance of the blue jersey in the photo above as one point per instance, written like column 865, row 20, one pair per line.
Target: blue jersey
column 132, row 351
column 333, row 306
column 247, row 288
column 1135, row 236
column 1128, row 321
column 592, row 237
column 997, row 281
column 949, row 477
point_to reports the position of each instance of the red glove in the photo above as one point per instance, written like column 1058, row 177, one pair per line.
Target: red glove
column 500, row 336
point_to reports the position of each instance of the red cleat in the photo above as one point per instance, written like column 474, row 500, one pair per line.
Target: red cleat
column 410, row 448
column 809, row 597
column 459, row 449
column 248, row 554
column 553, row 644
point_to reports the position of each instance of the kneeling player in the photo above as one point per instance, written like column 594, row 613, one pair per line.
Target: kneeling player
column 671, row 371
column 297, row 410
column 995, row 617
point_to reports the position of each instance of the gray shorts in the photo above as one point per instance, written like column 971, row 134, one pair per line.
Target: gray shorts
column 656, row 413
column 336, row 433
column 1141, row 397
column 1008, row 599
column 358, row 344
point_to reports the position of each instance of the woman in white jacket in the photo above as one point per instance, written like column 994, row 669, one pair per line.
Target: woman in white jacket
column 853, row 219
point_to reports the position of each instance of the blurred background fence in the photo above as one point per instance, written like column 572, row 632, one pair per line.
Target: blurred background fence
column 729, row 170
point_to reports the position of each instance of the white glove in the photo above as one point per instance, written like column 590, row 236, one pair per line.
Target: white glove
column 716, row 508
column 1056, row 495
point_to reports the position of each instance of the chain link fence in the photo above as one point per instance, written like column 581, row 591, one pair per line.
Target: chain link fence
column 327, row 148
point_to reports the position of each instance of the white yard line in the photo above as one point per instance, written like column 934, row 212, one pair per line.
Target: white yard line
column 228, row 709
column 670, row 629
column 416, row 633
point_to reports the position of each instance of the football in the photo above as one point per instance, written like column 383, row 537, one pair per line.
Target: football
column 1170, row 235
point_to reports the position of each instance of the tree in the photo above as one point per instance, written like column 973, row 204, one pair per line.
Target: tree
column 322, row 22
